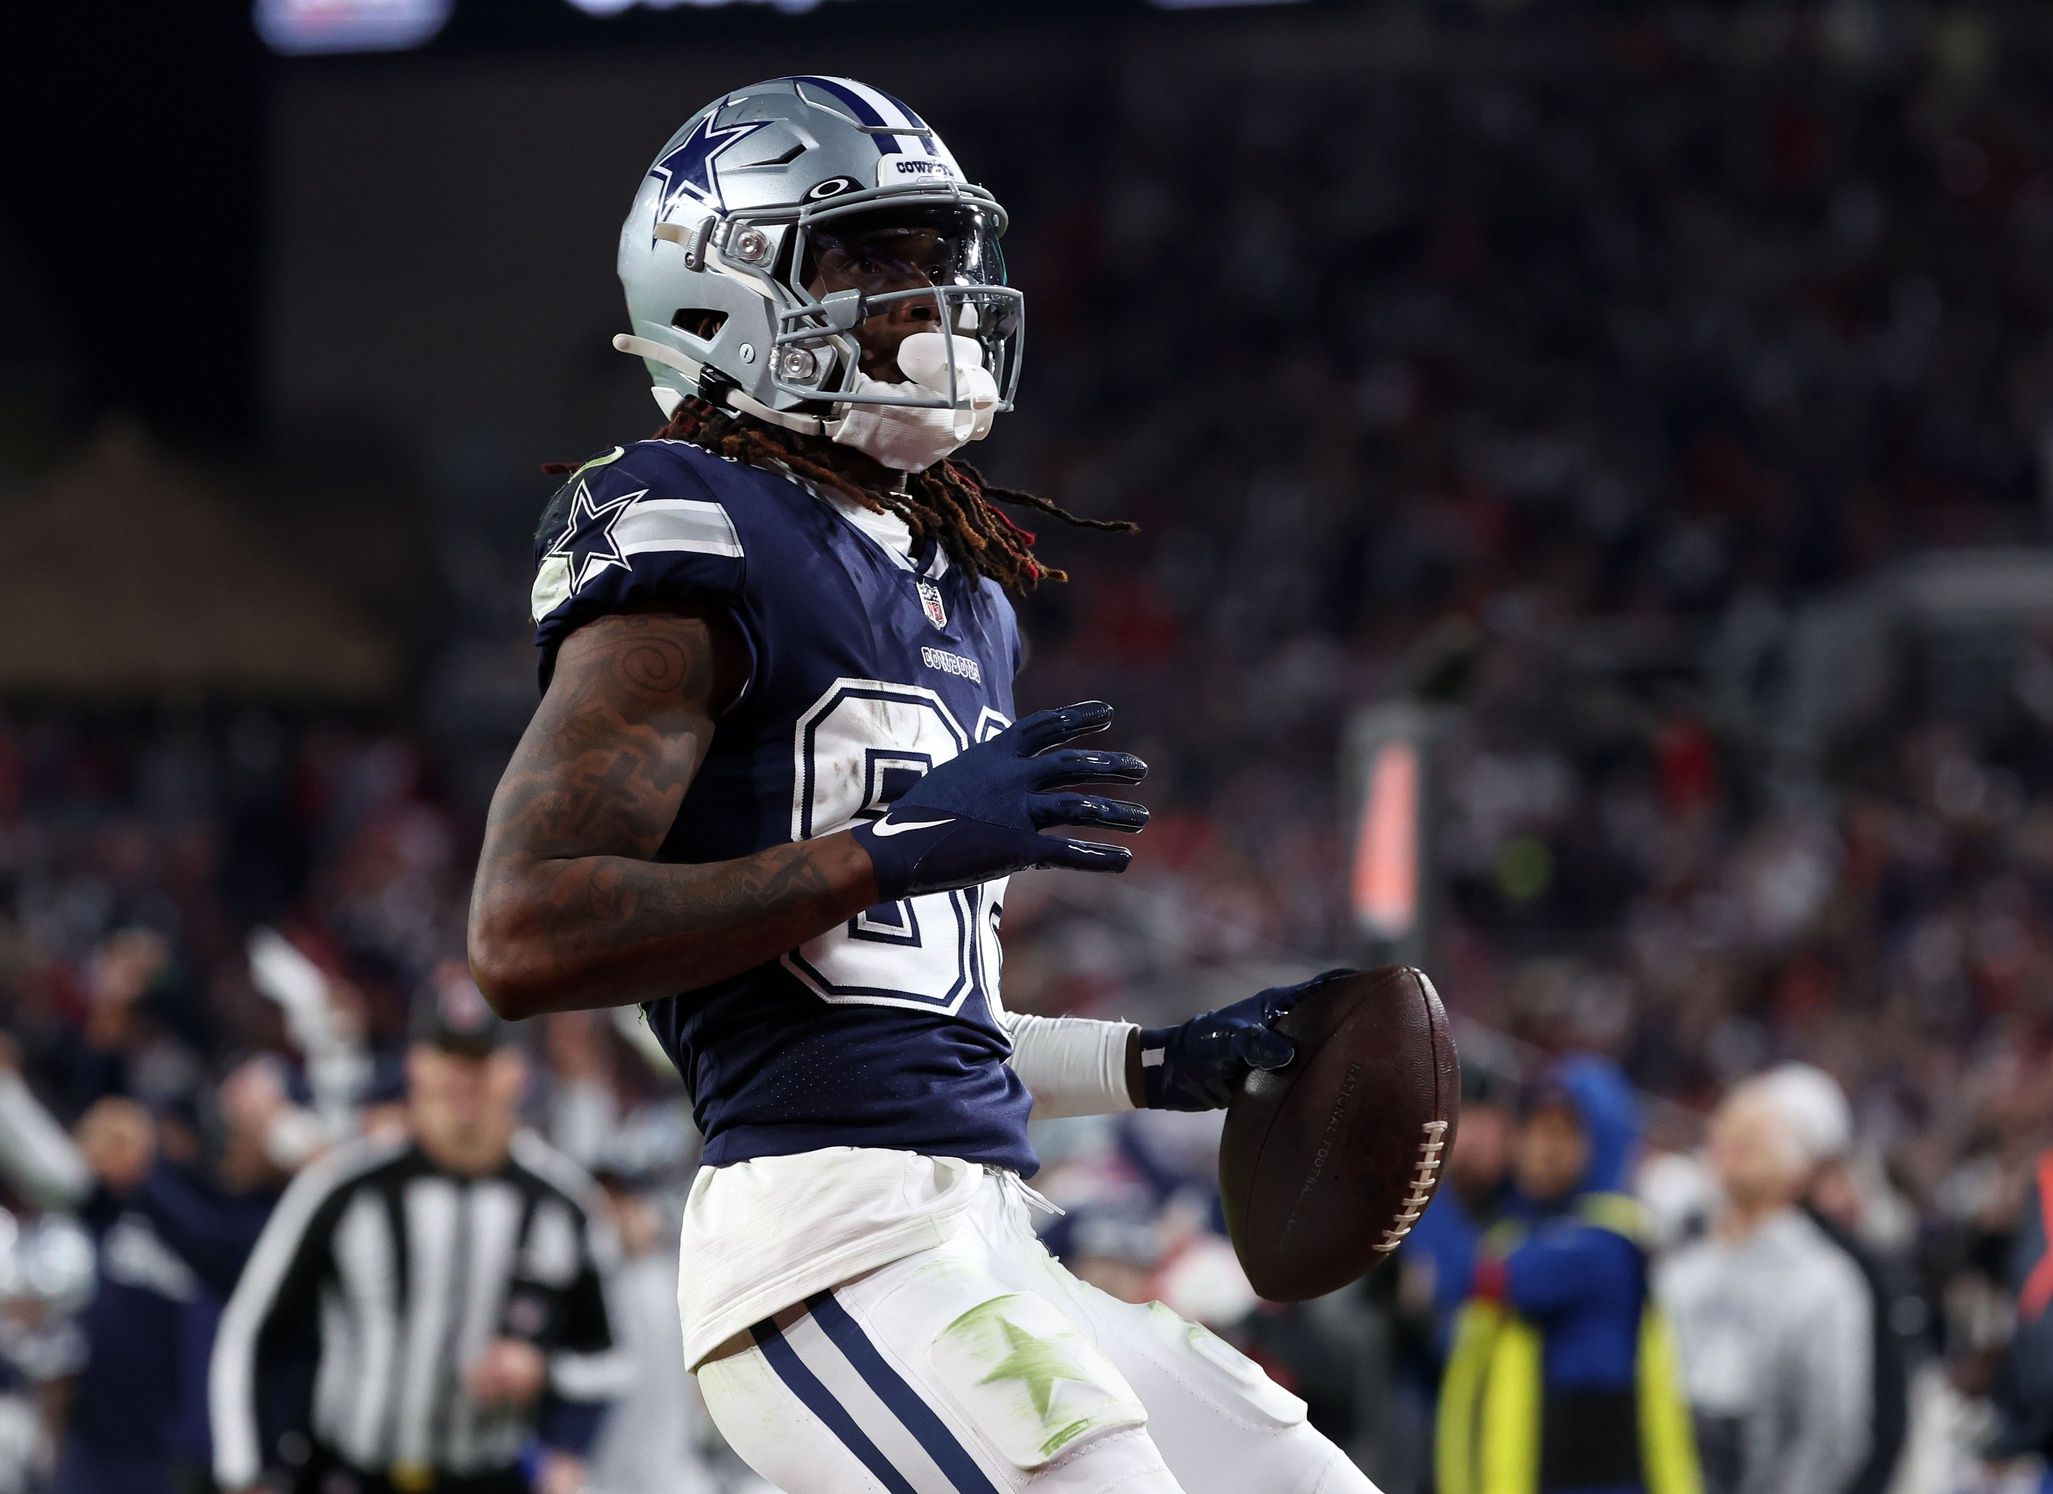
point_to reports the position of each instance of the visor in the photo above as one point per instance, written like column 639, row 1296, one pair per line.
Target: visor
column 869, row 259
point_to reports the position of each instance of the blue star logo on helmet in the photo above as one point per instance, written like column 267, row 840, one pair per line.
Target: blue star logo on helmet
column 686, row 169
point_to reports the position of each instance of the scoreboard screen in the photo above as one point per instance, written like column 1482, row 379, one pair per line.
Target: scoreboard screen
column 315, row 27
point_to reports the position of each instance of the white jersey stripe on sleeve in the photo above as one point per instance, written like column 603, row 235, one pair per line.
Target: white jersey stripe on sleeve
column 659, row 525
column 552, row 588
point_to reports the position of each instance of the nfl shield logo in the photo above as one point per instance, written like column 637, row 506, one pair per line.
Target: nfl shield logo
column 930, row 603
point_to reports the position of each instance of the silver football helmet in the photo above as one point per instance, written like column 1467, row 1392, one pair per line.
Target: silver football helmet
column 717, row 250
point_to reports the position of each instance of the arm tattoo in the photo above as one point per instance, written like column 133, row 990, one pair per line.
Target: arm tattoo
column 568, row 909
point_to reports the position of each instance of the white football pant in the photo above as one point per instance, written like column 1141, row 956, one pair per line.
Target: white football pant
column 983, row 1366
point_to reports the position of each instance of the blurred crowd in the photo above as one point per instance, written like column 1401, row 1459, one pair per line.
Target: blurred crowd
column 1551, row 376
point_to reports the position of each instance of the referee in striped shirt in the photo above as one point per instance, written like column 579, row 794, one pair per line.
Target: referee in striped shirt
column 450, row 1289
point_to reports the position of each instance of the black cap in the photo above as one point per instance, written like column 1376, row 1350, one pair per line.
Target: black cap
column 1485, row 1084
column 450, row 1013
column 1490, row 1072
column 1548, row 1093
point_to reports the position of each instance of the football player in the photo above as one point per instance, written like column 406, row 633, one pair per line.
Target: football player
column 773, row 792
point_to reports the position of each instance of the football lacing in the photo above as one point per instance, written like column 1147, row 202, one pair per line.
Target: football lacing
column 1414, row 1206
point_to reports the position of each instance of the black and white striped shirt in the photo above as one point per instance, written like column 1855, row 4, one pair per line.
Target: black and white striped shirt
column 399, row 1274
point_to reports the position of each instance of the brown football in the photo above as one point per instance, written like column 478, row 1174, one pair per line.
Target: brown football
column 1327, row 1162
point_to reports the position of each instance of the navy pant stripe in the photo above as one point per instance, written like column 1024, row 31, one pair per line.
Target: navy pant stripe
column 833, row 1415
column 904, row 1401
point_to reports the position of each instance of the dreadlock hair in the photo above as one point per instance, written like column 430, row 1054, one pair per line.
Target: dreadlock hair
column 950, row 500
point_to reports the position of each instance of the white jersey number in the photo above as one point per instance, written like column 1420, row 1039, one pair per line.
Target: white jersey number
column 862, row 745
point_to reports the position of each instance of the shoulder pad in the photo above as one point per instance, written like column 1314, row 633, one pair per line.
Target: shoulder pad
column 636, row 525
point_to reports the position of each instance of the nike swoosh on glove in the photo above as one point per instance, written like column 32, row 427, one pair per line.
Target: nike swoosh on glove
column 1199, row 1065
column 980, row 814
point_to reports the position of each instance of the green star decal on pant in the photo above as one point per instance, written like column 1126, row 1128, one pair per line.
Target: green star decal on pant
column 1036, row 1362
column 1009, row 1355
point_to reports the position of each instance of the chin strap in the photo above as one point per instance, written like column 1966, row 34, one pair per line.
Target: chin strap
column 669, row 399
column 905, row 438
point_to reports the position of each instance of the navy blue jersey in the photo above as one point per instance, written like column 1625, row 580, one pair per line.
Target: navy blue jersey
column 867, row 667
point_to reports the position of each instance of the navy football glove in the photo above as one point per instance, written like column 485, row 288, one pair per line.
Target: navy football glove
column 1200, row 1064
column 980, row 815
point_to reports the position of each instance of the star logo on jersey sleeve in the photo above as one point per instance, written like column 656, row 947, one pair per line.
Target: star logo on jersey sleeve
column 686, row 169
column 588, row 545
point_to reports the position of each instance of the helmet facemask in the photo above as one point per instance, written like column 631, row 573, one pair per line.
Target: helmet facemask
column 847, row 269
column 723, row 252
